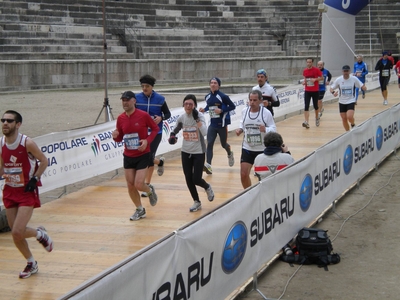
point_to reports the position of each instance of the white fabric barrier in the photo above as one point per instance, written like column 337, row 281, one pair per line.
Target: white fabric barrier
column 211, row 257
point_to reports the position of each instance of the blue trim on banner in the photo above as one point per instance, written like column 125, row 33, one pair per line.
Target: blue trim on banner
column 351, row 7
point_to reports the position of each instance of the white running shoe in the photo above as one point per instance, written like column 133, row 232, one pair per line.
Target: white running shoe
column 210, row 193
column 152, row 196
column 139, row 214
column 45, row 240
column 195, row 207
column 160, row 169
column 231, row 159
column 207, row 168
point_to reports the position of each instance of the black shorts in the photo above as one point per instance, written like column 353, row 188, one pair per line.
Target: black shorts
column 384, row 81
column 137, row 163
column 249, row 156
column 307, row 99
column 345, row 107
column 321, row 95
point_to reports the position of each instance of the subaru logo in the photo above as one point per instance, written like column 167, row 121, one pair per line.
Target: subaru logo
column 306, row 193
column 348, row 159
column 379, row 137
column 234, row 247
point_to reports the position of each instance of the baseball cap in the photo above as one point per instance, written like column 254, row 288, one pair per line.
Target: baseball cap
column 262, row 72
column 128, row 95
column 346, row 68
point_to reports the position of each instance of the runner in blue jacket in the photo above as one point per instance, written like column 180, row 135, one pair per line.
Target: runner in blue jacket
column 218, row 106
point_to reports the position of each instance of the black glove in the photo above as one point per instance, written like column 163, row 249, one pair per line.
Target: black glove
column 195, row 114
column 31, row 186
column 172, row 139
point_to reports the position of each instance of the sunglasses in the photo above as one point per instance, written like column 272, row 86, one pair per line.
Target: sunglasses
column 7, row 120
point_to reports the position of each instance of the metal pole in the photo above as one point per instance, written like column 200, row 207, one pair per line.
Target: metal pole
column 319, row 36
column 106, row 103
column 369, row 16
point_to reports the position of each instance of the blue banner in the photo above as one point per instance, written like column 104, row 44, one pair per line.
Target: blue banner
column 351, row 7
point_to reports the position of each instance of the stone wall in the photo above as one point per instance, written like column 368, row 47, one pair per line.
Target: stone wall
column 56, row 74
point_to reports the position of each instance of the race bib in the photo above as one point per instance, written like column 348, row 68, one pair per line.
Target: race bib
column 190, row 134
column 131, row 141
column 14, row 177
column 309, row 82
column 253, row 135
column 347, row 92
column 385, row 73
column 212, row 112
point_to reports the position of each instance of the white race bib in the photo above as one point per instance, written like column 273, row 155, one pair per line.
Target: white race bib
column 131, row 141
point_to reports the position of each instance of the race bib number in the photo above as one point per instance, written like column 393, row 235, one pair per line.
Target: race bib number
column 253, row 135
column 190, row 134
column 212, row 112
column 131, row 141
column 385, row 73
column 14, row 177
column 347, row 91
column 309, row 82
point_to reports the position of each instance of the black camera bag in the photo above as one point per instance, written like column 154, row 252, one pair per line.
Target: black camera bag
column 313, row 246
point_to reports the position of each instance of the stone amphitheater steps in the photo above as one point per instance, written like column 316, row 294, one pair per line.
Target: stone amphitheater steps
column 213, row 24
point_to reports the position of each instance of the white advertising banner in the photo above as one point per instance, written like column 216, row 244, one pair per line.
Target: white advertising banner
column 212, row 256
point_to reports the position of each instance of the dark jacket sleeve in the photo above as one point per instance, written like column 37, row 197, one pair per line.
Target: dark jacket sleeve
column 165, row 111
column 329, row 76
column 378, row 66
column 229, row 105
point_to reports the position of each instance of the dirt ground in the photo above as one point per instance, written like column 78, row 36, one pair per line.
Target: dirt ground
column 363, row 226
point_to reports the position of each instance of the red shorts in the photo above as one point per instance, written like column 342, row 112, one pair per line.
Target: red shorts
column 15, row 197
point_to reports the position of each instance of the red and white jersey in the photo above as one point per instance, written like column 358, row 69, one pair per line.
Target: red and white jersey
column 265, row 165
column 19, row 165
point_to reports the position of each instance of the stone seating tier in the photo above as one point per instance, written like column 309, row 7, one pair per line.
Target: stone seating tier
column 59, row 48
column 201, row 48
column 207, row 55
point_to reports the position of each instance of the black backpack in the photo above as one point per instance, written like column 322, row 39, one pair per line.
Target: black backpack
column 313, row 246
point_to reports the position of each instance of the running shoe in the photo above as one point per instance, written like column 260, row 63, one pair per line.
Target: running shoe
column 160, row 169
column 195, row 207
column 231, row 159
column 305, row 124
column 317, row 122
column 152, row 196
column 320, row 113
column 139, row 214
column 207, row 168
column 385, row 102
column 30, row 269
column 45, row 240
column 210, row 193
